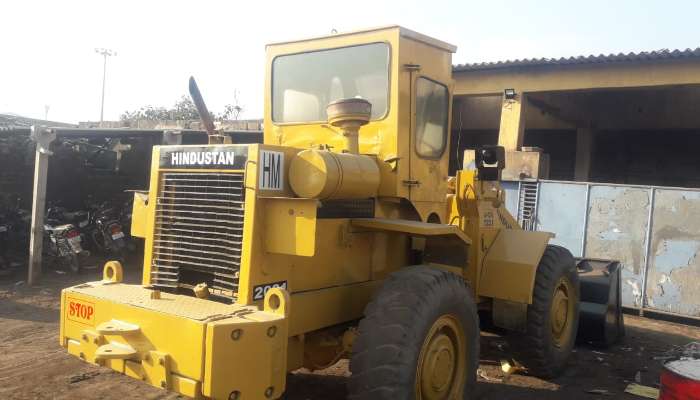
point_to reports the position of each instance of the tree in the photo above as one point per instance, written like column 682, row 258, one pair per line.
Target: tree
column 183, row 110
column 232, row 111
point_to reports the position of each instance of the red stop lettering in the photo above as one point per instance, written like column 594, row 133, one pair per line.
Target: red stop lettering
column 81, row 311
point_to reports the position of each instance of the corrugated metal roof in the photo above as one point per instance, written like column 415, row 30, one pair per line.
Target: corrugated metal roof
column 10, row 121
column 663, row 54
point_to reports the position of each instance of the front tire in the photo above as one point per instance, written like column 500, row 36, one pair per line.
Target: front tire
column 552, row 318
column 419, row 339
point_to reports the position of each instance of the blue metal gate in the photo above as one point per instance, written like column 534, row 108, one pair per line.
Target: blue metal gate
column 653, row 231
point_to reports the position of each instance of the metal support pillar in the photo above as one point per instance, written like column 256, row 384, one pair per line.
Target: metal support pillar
column 512, row 128
column 118, row 148
column 647, row 249
column 172, row 138
column 43, row 138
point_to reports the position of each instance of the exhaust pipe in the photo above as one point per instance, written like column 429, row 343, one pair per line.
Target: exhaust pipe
column 215, row 137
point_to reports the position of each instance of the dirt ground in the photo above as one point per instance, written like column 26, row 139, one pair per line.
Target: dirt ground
column 34, row 366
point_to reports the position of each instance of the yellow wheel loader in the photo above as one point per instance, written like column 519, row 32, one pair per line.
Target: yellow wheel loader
column 341, row 236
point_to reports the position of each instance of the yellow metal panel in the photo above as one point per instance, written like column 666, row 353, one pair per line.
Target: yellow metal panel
column 512, row 128
column 327, row 307
column 341, row 256
column 426, row 209
column 150, row 216
column 511, row 263
column 156, row 330
column 135, row 295
column 251, row 364
column 133, row 369
column 86, row 345
column 181, row 343
column 403, row 31
column 139, row 215
column 249, row 356
column 411, row 227
column 156, row 369
column 186, row 386
column 429, row 176
column 290, row 226
column 180, row 384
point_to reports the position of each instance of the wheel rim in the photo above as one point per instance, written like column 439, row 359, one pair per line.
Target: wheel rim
column 441, row 363
column 562, row 312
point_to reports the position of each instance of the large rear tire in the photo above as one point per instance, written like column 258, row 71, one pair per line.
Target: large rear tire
column 419, row 339
column 552, row 318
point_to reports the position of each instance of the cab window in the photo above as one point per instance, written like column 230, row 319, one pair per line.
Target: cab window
column 303, row 84
column 432, row 100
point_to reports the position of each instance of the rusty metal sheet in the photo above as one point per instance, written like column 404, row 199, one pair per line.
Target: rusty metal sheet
column 673, row 277
column 618, row 217
column 653, row 231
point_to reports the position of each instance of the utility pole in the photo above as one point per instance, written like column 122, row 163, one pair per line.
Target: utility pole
column 105, row 53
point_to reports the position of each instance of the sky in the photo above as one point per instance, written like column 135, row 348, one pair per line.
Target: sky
column 48, row 58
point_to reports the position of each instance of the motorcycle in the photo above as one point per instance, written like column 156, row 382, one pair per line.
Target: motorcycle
column 105, row 230
column 62, row 246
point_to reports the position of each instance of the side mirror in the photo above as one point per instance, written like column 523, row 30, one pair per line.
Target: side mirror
column 490, row 161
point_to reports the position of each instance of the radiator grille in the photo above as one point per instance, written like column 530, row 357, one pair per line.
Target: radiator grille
column 198, row 230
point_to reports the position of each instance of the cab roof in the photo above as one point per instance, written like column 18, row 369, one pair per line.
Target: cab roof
column 402, row 31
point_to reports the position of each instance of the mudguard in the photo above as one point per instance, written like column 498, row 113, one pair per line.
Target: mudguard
column 600, row 316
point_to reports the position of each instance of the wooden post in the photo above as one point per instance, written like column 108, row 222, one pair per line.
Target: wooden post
column 43, row 138
column 512, row 128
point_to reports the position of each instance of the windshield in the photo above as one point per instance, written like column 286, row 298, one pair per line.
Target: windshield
column 303, row 84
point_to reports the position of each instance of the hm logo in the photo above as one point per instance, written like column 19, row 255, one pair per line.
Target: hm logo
column 271, row 170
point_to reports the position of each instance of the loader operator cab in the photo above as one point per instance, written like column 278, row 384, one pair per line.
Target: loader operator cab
column 405, row 76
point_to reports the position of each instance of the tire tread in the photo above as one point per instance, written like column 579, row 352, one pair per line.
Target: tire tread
column 402, row 302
